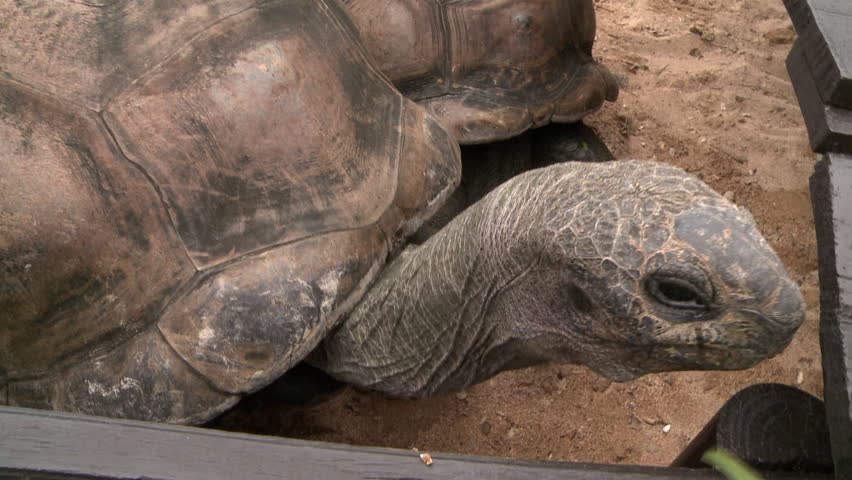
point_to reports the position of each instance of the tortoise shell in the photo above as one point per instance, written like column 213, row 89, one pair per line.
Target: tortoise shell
column 192, row 193
column 489, row 69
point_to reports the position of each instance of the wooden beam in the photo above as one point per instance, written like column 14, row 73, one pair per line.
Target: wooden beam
column 829, row 127
column 831, row 193
column 44, row 444
column 820, row 66
column 826, row 36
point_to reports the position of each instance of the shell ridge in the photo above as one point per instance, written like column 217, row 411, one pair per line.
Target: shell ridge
column 154, row 68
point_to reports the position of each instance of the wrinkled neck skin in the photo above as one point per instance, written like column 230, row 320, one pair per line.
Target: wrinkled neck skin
column 450, row 312
column 554, row 265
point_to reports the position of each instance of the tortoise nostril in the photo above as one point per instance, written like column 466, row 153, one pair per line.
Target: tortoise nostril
column 786, row 311
column 790, row 305
column 578, row 299
column 777, row 320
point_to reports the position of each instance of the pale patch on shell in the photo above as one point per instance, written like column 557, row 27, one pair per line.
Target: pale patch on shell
column 114, row 391
column 329, row 284
column 205, row 335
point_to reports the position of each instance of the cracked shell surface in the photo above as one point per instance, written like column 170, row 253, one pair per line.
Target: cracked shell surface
column 489, row 69
column 179, row 171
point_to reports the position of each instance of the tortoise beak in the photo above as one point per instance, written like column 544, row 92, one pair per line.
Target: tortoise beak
column 789, row 307
column 781, row 317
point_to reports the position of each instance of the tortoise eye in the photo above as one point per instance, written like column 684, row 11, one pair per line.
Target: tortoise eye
column 677, row 293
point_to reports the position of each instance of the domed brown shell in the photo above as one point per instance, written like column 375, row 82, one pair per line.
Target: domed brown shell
column 489, row 69
column 192, row 194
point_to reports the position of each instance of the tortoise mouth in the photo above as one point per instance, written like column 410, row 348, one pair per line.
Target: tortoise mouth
column 631, row 363
column 680, row 356
column 736, row 329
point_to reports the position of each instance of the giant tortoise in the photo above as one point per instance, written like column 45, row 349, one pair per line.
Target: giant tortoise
column 196, row 195
column 488, row 69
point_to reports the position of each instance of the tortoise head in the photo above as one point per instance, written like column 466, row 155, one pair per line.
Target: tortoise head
column 654, row 271
column 626, row 267
column 717, row 296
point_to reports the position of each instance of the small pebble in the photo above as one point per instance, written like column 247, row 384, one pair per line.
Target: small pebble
column 780, row 36
column 667, row 429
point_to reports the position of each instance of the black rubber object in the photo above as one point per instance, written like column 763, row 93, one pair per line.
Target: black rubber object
column 573, row 142
column 771, row 427
column 486, row 166
column 776, row 427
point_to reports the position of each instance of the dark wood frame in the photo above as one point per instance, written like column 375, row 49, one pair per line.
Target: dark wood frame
column 44, row 444
column 820, row 66
column 53, row 445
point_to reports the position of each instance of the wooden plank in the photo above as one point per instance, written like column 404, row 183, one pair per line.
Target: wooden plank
column 831, row 193
column 690, row 456
column 829, row 128
column 825, row 31
column 34, row 443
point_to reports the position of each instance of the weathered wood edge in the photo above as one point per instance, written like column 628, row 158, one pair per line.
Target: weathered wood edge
column 829, row 128
column 823, row 28
column 831, row 193
column 817, row 85
column 705, row 439
column 45, row 444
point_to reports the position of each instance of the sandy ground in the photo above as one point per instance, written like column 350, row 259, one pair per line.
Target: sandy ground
column 704, row 87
